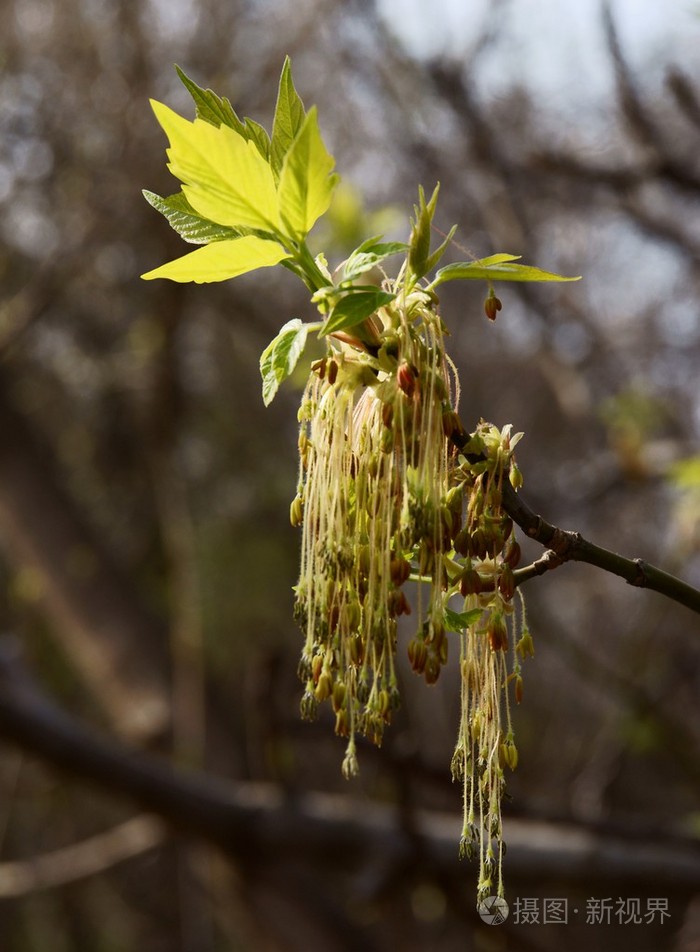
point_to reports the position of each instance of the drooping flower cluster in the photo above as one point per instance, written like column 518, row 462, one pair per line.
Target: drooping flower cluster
column 392, row 489
column 374, row 482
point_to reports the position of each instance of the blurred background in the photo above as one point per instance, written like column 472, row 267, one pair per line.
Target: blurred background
column 146, row 557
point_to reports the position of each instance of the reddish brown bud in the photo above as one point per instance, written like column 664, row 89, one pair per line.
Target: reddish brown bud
column 492, row 306
column 319, row 367
column 470, row 583
column 497, row 633
column 417, row 655
column 406, row 378
column 506, row 582
column 387, row 414
column 512, row 553
column 432, row 669
column 332, row 371
column 400, row 569
column 398, row 603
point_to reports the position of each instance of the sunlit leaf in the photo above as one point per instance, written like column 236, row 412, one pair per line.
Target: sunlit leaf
column 306, row 183
column 487, row 269
column 280, row 357
column 225, row 179
column 354, row 308
column 221, row 260
column 288, row 119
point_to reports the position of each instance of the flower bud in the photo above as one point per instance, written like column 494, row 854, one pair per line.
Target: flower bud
column 432, row 669
column 518, row 689
column 462, row 542
column 525, row 647
column 470, row 583
column 319, row 367
column 512, row 553
column 324, row 688
column 497, row 633
column 515, row 476
column 506, row 582
column 400, row 570
column 406, row 378
column 492, row 306
column 357, row 650
column 387, row 414
column 338, row 697
column 341, row 723
column 309, row 705
column 417, row 655
column 296, row 511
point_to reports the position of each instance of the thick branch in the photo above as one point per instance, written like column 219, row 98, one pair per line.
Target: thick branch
column 257, row 824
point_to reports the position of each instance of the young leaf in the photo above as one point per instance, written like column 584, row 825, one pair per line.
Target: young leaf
column 488, row 270
column 352, row 309
column 225, row 177
column 187, row 223
column 458, row 621
column 280, row 357
column 439, row 252
column 368, row 255
column 288, row 120
column 306, row 183
column 419, row 250
column 210, row 107
column 221, row 260
column 258, row 135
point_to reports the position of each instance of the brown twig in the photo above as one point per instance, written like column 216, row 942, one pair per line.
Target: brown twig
column 566, row 546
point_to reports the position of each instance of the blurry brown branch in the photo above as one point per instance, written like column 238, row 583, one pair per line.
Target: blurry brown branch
column 257, row 824
column 79, row 860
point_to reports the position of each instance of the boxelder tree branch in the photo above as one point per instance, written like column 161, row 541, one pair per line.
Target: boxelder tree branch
column 565, row 546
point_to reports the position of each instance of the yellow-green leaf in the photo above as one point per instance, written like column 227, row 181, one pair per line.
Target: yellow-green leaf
column 495, row 268
column 221, row 260
column 288, row 120
column 306, row 183
column 224, row 176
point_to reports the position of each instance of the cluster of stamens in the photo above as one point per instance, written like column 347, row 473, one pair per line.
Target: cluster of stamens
column 391, row 489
